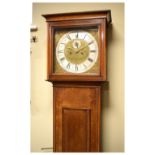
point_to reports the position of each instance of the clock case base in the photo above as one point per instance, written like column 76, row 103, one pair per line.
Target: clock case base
column 76, row 120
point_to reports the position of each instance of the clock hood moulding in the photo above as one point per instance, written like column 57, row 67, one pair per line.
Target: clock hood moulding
column 83, row 15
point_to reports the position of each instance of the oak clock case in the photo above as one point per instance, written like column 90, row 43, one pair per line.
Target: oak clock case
column 76, row 65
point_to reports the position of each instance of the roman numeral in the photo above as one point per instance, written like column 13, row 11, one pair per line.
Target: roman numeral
column 68, row 36
column 84, row 66
column 77, row 35
column 62, row 59
column 90, row 43
column 68, row 65
column 89, row 59
column 93, row 51
column 76, row 67
column 61, row 51
column 84, row 36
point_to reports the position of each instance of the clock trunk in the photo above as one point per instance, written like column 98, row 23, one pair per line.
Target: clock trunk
column 77, row 117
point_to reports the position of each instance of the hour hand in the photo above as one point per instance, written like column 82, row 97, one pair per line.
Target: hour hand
column 80, row 49
column 69, row 48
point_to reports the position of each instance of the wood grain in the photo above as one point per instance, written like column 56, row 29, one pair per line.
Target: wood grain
column 75, row 130
column 77, row 118
column 79, row 15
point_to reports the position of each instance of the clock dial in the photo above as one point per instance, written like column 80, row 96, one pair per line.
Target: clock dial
column 77, row 51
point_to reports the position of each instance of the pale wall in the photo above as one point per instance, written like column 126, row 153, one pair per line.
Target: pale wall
column 41, row 91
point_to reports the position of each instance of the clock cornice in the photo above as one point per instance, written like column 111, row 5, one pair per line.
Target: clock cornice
column 106, row 14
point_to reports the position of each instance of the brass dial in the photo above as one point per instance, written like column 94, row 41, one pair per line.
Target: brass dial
column 77, row 51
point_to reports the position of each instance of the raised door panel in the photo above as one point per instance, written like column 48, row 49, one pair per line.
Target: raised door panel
column 76, row 118
column 75, row 130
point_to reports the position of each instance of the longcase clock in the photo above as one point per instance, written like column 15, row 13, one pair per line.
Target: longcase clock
column 77, row 68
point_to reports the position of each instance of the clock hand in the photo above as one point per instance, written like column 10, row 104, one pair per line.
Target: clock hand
column 81, row 49
column 69, row 48
column 84, row 47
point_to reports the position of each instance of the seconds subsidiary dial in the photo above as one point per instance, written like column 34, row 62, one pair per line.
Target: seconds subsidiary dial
column 77, row 51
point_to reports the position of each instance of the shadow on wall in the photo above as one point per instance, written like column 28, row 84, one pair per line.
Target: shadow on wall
column 104, row 106
column 105, row 93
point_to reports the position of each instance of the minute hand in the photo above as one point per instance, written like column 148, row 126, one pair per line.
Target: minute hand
column 81, row 49
column 84, row 47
